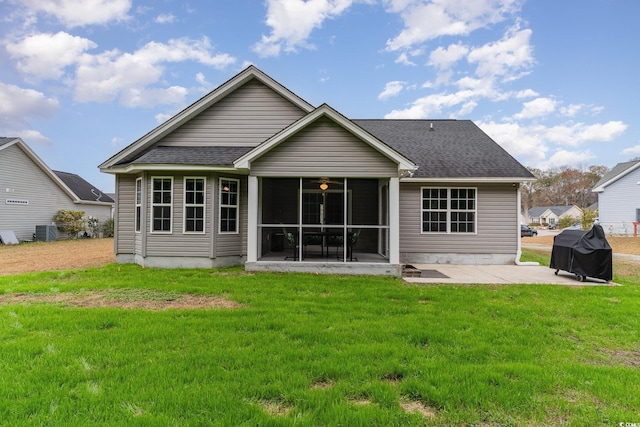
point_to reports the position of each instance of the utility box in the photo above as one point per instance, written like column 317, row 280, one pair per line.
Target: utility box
column 46, row 233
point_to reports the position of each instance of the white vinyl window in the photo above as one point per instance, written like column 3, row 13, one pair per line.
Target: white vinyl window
column 161, row 204
column 138, row 219
column 229, row 201
column 194, row 205
column 449, row 210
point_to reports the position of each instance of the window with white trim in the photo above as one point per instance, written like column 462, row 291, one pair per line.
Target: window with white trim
column 449, row 210
column 194, row 203
column 138, row 213
column 229, row 201
column 161, row 204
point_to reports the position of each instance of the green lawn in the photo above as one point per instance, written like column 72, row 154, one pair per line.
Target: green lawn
column 313, row 350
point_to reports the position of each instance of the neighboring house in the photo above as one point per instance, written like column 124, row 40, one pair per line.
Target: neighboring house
column 32, row 193
column 619, row 198
column 251, row 173
column 551, row 214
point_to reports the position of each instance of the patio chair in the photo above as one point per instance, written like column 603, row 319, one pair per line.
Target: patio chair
column 352, row 239
column 292, row 243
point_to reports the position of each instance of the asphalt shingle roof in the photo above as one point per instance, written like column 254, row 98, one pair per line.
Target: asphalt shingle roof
column 615, row 171
column 449, row 149
column 441, row 149
column 83, row 189
column 192, row 155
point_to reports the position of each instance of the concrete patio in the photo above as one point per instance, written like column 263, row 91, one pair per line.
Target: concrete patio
column 497, row 274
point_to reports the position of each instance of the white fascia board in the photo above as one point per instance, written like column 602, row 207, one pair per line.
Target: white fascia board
column 201, row 105
column 135, row 168
column 46, row 169
column 601, row 187
column 404, row 164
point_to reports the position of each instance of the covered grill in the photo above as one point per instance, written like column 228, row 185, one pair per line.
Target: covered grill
column 583, row 253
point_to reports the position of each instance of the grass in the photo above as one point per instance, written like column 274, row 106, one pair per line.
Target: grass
column 320, row 350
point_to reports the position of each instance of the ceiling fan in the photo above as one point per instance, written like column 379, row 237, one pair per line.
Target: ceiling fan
column 324, row 182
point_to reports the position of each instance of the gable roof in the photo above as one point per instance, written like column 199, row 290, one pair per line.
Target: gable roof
column 404, row 164
column 448, row 149
column 427, row 150
column 538, row 211
column 83, row 189
column 69, row 183
column 617, row 172
column 197, row 107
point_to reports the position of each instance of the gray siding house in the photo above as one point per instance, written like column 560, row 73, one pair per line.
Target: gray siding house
column 619, row 199
column 252, row 174
column 32, row 193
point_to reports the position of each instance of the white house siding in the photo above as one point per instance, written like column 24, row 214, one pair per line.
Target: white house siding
column 618, row 203
column 23, row 180
column 125, row 214
column 246, row 117
column 496, row 238
column 324, row 149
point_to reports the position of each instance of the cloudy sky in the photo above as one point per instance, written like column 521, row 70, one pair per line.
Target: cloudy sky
column 556, row 83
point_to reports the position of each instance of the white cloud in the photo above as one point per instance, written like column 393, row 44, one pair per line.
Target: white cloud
column 292, row 22
column 78, row 13
column 532, row 143
column 537, row 108
column 111, row 75
column 47, row 55
column 391, row 89
column 431, row 105
column 527, row 93
column 18, row 105
column 165, row 18
column 632, row 150
column 513, row 52
column 519, row 141
column 425, row 21
column 403, row 58
column 564, row 158
column 444, row 58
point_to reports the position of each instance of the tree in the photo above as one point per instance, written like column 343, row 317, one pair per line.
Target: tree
column 70, row 222
column 562, row 187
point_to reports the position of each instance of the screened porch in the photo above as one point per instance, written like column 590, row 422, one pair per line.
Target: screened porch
column 323, row 219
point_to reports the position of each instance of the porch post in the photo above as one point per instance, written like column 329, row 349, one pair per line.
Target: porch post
column 394, row 221
column 252, row 219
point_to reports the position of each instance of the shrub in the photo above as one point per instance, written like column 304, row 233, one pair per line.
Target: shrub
column 70, row 222
column 566, row 221
column 588, row 218
column 107, row 227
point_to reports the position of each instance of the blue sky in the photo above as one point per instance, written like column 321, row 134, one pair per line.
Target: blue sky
column 554, row 82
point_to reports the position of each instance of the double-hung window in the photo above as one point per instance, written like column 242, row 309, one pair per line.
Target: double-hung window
column 161, row 204
column 229, row 198
column 138, row 213
column 449, row 210
column 194, row 203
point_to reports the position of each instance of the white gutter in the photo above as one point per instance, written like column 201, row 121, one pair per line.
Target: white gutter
column 519, row 247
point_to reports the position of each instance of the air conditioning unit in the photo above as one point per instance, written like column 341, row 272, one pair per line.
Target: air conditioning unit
column 46, row 233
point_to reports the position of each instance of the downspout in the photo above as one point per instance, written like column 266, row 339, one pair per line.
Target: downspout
column 519, row 246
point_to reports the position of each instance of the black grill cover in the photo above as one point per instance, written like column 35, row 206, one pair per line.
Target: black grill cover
column 584, row 253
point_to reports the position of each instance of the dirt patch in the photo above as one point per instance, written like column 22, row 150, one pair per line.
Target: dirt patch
column 127, row 299
column 59, row 255
column 619, row 244
column 420, row 408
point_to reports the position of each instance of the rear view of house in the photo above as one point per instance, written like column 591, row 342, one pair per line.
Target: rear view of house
column 32, row 193
column 252, row 174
